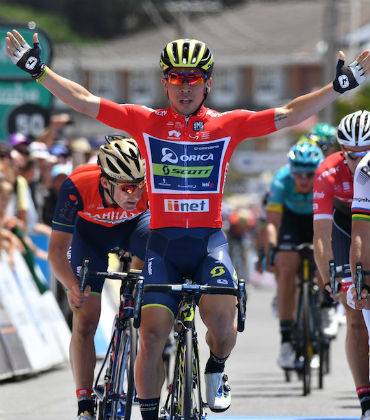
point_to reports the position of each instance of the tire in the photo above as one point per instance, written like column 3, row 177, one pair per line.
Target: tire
column 100, row 410
column 307, row 344
column 322, row 362
column 130, row 395
column 123, row 385
column 103, row 407
column 327, row 357
column 188, row 376
column 197, row 390
column 176, row 386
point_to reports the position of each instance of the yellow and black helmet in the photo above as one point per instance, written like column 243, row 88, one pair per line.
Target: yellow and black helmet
column 189, row 53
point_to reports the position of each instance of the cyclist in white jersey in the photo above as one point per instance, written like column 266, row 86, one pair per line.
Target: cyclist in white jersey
column 360, row 244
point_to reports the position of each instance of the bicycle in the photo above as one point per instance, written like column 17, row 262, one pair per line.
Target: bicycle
column 116, row 393
column 307, row 336
column 184, row 399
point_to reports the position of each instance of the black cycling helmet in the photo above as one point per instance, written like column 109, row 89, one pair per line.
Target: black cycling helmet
column 187, row 53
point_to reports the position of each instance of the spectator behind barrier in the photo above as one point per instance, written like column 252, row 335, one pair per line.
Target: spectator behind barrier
column 59, row 173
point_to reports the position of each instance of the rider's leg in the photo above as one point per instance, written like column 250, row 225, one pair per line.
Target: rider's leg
column 82, row 350
column 287, row 264
column 357, row 350
column 156, row 324
column 218, row 314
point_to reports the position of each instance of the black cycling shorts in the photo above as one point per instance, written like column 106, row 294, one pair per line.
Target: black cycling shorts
column 295, row 229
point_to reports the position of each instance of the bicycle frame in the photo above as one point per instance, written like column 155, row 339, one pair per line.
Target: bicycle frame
column 306, row 321
column 179, row 399
column 115, row 395
column 184, row 400
column 306, row 334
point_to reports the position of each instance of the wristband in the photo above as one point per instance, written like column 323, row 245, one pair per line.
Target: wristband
column 44, row 71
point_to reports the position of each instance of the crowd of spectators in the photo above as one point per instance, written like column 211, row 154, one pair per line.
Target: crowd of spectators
column 31, row 174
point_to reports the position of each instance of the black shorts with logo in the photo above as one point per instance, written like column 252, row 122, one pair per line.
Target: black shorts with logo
column 295, row 229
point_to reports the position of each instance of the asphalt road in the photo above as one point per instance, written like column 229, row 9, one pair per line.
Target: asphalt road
column 258, row 386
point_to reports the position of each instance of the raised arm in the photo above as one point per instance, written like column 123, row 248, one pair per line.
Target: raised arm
column 346, row 78
column 29, row 60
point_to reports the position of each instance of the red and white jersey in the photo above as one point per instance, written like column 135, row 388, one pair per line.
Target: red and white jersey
column 333, row 187
column 82, row 194
column 186, row 157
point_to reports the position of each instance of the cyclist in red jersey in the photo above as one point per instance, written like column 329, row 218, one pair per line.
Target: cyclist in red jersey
column 99, row 207
column 333, row 192
column 187, row 148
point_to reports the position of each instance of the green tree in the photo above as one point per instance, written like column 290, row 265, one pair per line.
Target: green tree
column 91, row 19
column 360, row 100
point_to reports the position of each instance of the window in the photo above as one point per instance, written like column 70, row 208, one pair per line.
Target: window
column 106, row 84
column 226, row 87
column 143, row 85
column 268, row 85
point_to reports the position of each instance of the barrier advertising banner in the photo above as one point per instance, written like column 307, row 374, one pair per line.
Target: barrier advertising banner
column 13, row 358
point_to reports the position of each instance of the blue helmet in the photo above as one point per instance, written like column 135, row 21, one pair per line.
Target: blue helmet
column 305, row 157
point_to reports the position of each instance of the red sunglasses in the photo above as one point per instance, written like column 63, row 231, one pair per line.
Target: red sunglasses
column 129, row 188
column 190, row 78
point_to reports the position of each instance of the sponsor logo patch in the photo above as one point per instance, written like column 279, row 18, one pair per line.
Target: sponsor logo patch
column 186, row 206
column 198, row 126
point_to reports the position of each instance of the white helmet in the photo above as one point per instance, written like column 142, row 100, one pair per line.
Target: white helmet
column 354, row 129
column 120, row 159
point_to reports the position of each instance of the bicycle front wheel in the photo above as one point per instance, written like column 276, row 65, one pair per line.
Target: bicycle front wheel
column 123, row 384
column 307, row 342
column 188, row 375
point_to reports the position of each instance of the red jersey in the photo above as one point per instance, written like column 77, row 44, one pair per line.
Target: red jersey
column 186, row 157
column 82, row 194
column 333, row 187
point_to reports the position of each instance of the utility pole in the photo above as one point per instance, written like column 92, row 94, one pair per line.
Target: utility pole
column 329, row 58
column 181, row 10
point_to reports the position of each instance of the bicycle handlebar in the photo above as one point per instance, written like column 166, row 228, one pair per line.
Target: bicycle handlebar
column 196, row 289
column 334, row 284
column 359, row 280
column 191, row 289
column 132, row 275
column 299, row 247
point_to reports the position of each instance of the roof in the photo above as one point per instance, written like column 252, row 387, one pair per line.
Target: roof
column 255, row 33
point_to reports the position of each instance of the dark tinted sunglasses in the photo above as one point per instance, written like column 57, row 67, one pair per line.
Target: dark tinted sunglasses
column 304, row 174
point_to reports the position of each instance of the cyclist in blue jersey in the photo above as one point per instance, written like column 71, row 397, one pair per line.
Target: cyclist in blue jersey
column 289, row 223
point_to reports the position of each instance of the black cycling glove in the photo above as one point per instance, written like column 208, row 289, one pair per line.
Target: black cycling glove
column 348, row 77
column 29, row 59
